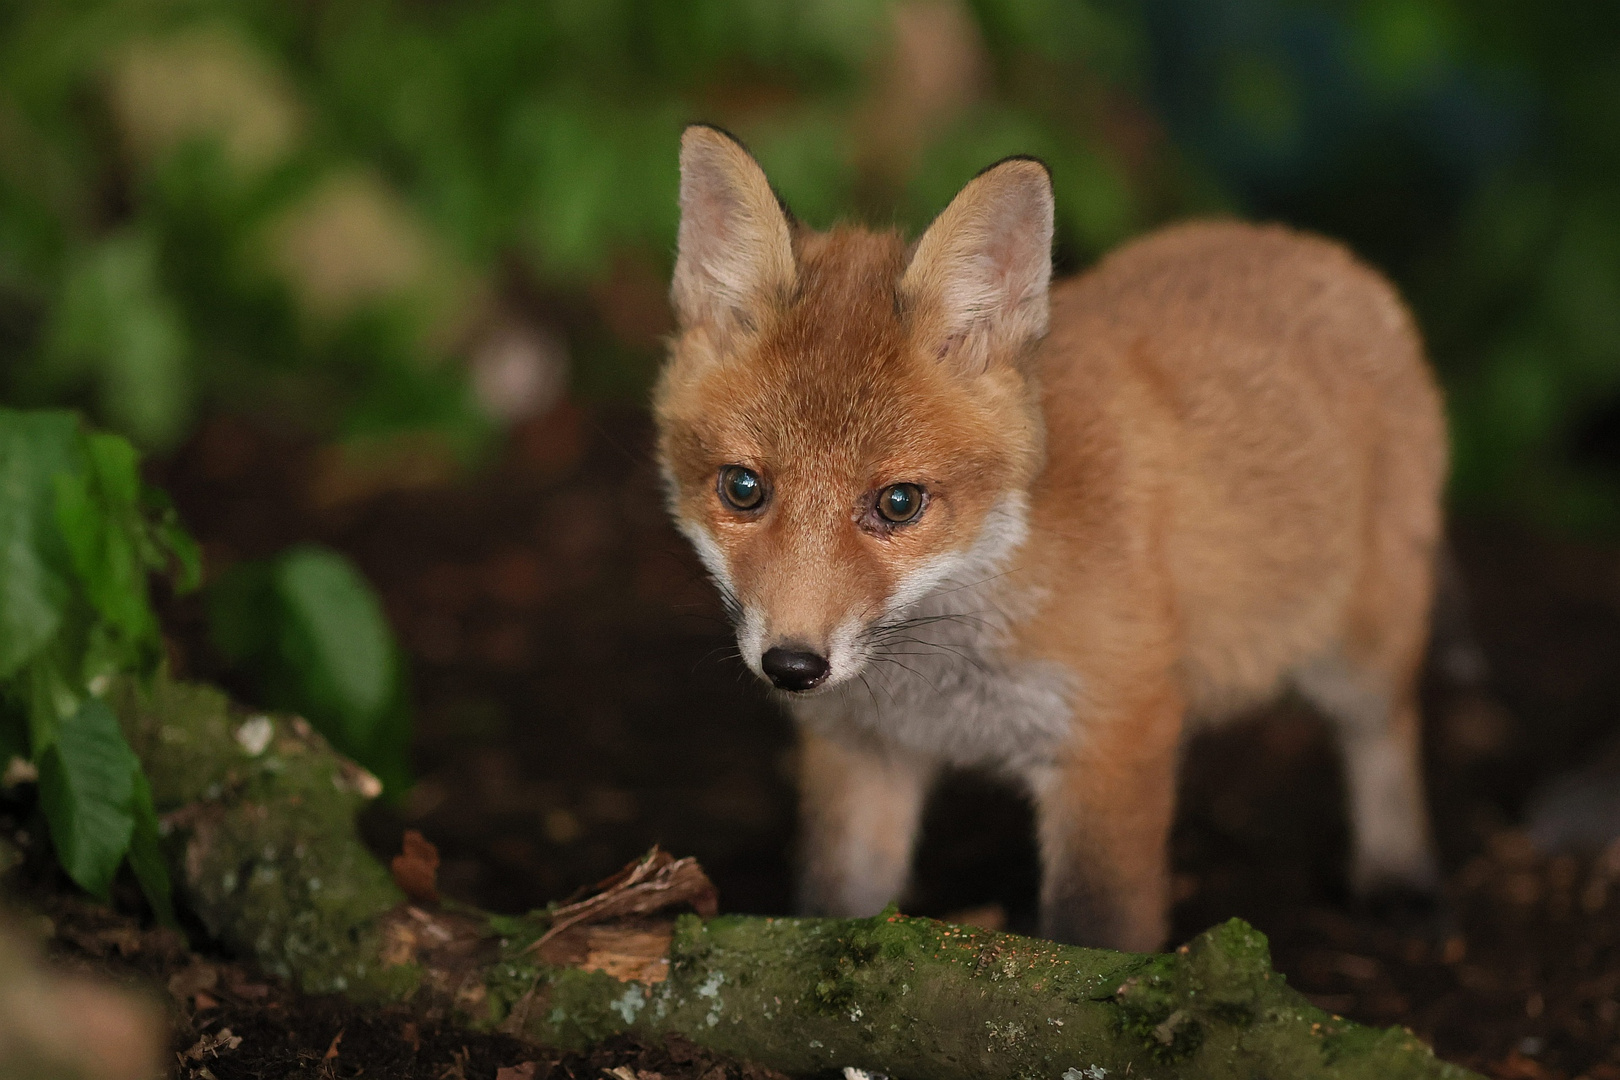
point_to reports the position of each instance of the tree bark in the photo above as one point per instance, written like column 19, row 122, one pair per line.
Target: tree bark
column 259, row 817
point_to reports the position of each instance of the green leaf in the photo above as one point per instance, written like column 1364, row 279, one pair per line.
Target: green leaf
column 87, row 790
column 50, row 699
column 146, row 853
column 336, row 634
column 99, row 514
column 173, row 543
column 34, row 447
column 310, row 631
column 116, row 467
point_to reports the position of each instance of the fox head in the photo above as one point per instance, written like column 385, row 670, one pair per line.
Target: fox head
column 846, row 423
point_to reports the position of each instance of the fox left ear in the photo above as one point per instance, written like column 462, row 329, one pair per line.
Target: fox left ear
column 977, row 282
column 735, row 248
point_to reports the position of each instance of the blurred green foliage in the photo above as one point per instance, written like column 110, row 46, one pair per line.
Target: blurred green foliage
column 311, row 634
column 310, row 209
column 79, row 534
column 1471, row 149
column 316, row 211
column 1523, row 300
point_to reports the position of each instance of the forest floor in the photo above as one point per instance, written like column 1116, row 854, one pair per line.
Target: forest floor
column 577, row 701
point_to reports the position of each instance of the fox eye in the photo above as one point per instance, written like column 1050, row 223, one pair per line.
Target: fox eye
column 899, row 503
column 740, row 488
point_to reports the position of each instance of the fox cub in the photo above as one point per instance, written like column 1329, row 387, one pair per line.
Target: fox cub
column 962, row 517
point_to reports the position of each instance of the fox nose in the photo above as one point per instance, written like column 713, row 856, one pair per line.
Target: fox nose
column 793, row 669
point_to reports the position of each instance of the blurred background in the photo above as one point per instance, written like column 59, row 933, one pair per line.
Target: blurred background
column 404, row 226
column 379, row 290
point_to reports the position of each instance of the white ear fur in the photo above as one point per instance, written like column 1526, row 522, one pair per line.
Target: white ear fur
column 735, row 250
column 980, row 273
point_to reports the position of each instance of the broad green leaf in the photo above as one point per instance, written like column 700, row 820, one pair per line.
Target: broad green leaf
column 336, row 634
column 74, row 515
column 99, row 514
column 34, row 447
column 50, row 695
column 310, row 631
column 388, row 754
column 116, row 467
column 146, row 853
column 87, row 790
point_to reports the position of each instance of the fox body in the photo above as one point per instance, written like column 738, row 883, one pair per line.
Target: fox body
column 961, row 516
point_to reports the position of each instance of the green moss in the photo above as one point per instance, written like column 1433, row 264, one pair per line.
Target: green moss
column 518, row 931
column 1393, row 1052
column 271, row 862
column 1229, row 966
column 580, row 1008
column 513, row 975
column 838, row 989
column 1221, row 978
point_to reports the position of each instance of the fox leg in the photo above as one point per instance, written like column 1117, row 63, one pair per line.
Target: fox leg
column 859, row 807
column 1368, row 688
column 1380, row 736
column 1104, row 811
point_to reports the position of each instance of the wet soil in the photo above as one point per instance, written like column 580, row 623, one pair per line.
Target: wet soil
column 577, row 700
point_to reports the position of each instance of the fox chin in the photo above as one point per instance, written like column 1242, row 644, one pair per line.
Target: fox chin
column 962, row 516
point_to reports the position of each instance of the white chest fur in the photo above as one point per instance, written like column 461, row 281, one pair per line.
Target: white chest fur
column 937, row 681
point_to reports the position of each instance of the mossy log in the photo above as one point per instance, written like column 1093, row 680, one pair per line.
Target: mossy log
column 260, row 812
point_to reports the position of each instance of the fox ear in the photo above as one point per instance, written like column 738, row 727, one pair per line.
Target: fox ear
column 735, row 249
column 977, row 282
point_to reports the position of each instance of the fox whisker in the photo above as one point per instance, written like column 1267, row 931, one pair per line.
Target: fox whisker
column 936, row 646
column 876, row 708
column 882, row 659
column 721, row 652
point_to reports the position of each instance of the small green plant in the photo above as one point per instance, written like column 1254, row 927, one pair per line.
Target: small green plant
column 311, row 634
column 79, row 536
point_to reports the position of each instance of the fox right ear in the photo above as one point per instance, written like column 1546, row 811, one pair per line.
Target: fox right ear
column 979, row 275
column 735, row 248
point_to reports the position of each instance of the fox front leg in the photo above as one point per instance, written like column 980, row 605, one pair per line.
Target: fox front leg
column 1104, row 810
column 859, row 809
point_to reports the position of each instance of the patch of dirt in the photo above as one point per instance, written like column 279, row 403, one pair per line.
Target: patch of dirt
column 577, row 701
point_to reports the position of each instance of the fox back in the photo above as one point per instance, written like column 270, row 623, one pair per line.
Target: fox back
column 960, row 516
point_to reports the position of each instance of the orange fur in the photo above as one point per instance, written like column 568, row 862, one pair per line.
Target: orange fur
column 1203, row 473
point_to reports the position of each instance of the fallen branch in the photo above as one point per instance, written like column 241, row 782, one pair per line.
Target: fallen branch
column 259, row 815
